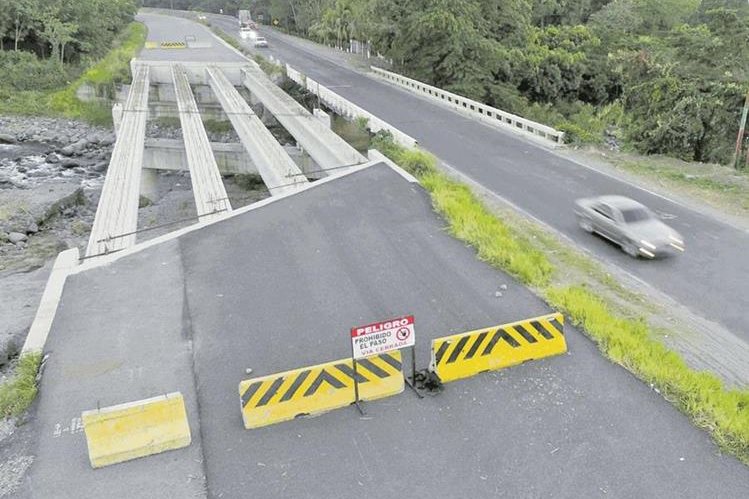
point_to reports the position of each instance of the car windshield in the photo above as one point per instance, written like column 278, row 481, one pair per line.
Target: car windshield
column 633, row 215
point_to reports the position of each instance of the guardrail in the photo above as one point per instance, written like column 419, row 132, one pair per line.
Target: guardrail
column 473, row 108
column 346, row 108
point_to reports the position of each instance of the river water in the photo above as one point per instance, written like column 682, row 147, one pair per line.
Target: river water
column 25, row 165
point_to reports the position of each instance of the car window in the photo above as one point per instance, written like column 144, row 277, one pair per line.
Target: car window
column 633, row 215
column 604, row 210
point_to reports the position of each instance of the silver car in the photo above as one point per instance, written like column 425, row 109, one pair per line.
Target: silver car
column 261, row 42
column 629, row 224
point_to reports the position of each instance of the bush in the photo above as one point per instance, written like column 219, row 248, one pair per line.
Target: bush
column 25, row 71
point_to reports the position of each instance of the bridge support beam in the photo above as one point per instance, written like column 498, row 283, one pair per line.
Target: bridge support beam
column 279, row 172
column 328, row 149
column 117, row 214
column 207, row 186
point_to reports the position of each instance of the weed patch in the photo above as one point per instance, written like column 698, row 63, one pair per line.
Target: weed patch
column 18, row 392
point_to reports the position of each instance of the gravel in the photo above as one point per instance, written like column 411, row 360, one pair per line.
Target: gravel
column 11, row 474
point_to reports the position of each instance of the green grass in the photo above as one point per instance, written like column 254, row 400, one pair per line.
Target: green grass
column 112, row 69
column 167, row 121
column 217, row 126
column 630, row 342
column 18, row 392
column 249, row 181
column 353, row 132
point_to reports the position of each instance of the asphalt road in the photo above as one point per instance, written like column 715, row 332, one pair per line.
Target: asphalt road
column 297, row 274
column 278, row 287
column 174, row 29
column 709, row 279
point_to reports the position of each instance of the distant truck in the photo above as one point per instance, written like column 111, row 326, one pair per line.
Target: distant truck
column 245, row 20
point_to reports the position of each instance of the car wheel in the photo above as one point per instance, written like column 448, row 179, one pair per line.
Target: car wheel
column 631, row 249
column 585, row 224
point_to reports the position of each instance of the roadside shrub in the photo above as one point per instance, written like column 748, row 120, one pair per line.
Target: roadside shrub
column 25, row 71
column 418, row 163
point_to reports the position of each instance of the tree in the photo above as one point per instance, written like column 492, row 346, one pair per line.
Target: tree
column 58, row 34
column 21, row 16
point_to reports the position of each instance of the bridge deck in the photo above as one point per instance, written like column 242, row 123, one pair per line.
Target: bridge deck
column 117, row 213
column 278, row 170
column 207, row 186
column 324, row 146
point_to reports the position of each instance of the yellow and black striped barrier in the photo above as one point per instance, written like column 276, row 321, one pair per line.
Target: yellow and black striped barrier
column 317, row 389
column 466, row 354
column 151, row 44
column 173, row 45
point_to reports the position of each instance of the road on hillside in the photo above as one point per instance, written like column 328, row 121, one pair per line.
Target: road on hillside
column 709, row 279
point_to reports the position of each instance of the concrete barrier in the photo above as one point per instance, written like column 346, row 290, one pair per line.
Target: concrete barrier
column 467, row 354
column 346, row 108
column 313, row 390
column 472, row 108
column 136, row 429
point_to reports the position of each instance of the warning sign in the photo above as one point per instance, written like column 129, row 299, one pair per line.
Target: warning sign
column 381, row 337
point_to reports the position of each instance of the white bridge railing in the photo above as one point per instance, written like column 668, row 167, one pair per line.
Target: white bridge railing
column 475, row 109
column 347, row 108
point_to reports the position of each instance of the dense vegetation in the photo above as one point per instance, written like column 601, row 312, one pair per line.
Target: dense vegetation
column 48, row 49
column 46, row 43
column 666, row 76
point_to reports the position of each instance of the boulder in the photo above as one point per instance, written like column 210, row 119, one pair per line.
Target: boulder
column 100, row 166
column 6, row 138
column 70, row 162
column 52, row 158
column 80, row 146
column 17, row 237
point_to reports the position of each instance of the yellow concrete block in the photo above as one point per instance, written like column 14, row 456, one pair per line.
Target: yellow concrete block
column 466, row 354
column 317, row 389
column 151, row 44
column 127, row 431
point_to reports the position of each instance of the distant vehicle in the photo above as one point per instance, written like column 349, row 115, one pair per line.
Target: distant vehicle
column 201, row 17
column 261, row 42
column 246, row 33
column 245, row 20
column 629, row 224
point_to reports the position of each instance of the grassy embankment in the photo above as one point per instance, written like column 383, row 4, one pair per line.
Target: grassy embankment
column 628, row 341
column 112, row 69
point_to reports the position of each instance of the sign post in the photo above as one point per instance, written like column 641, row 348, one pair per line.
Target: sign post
column 381, row 337
column 356, row 381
